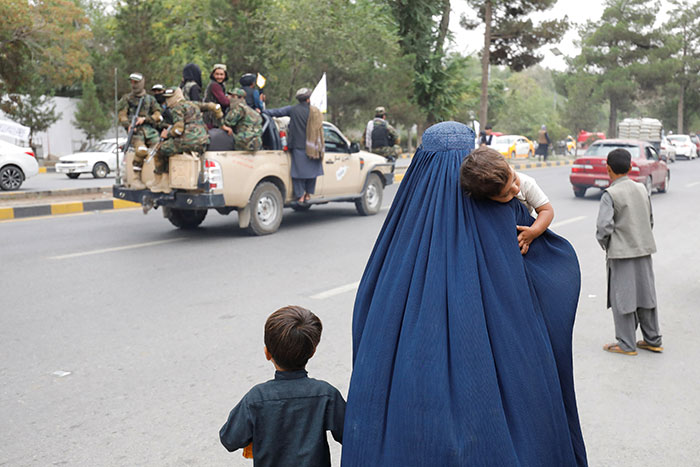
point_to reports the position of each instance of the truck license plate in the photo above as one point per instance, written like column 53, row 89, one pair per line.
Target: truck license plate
column 601, row 183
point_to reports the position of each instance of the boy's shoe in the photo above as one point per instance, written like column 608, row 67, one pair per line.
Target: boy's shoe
column 615, row 348
column 652, row 348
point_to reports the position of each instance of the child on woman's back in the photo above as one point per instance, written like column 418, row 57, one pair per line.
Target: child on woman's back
column 485, row 174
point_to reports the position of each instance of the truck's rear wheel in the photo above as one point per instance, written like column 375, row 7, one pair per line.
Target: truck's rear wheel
column 371, row 201
column 185, row 218
column 266, row 205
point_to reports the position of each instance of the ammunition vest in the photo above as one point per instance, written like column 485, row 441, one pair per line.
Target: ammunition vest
column 380, row 134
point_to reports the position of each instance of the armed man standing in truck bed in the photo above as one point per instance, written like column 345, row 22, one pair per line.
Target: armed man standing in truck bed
column 145, row 135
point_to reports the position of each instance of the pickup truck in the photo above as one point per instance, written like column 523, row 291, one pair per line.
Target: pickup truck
column 258, row 184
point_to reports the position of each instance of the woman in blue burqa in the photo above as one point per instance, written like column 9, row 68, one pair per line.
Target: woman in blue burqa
column 462, row 345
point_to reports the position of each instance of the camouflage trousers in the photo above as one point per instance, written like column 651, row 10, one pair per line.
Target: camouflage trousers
column 390, row 152
column 144, row 137
column 245, row 142
column 170, row 147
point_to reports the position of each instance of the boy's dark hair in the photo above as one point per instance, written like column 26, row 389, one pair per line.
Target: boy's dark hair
column 620, row 161
column 291, row 336
column 488, row 127
column 484, row 173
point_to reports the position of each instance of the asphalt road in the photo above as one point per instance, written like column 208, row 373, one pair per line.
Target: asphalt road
column 56, row 181
column 126, row 342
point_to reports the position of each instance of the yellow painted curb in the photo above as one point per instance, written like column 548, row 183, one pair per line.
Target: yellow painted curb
column 42, row 170
column 121, row 204
column 7, row 213
column 398, row 177
column 66, row 208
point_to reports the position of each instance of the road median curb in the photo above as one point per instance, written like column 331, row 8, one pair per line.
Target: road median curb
column 12, row 195
column 69, row 207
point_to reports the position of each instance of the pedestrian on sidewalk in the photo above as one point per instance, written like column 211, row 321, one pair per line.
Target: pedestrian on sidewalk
column 543, row 143
column 286, row 418
column 624, row 230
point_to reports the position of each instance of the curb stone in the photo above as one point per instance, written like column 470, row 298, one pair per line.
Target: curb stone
column 70, row 207
column 59, row 192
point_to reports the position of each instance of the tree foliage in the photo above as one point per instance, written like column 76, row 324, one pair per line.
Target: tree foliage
column 34, row 110
column 615, row 50
column 91, row 116
column 44, row 38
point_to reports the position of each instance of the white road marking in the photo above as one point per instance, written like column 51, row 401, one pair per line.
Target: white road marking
column 567, row 221
column 336, row 291
column 119, row 248
column 689, row 185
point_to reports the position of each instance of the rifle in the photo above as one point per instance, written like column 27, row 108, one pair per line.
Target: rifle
column 152, row 152
column 132, row 127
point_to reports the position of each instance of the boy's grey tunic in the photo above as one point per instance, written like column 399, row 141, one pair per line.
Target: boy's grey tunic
column 628, row 247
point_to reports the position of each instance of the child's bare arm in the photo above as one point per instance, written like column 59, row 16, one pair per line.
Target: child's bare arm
column 545, row 215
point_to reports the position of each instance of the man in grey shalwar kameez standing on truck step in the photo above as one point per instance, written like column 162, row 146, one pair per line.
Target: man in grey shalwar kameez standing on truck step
column 624, row 231
column 305, row 142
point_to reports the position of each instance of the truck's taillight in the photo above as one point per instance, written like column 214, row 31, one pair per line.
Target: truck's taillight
column 30, row 153
column 212, row 172
column 634, row 169
column 283, row 138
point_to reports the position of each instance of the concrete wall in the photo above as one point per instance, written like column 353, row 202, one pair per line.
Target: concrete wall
column 62, row 137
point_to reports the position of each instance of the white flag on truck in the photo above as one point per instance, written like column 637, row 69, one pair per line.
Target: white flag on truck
column 319, row 97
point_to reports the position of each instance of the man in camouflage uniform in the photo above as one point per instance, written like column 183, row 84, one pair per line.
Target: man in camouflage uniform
column 243, row 123
column 380, row 137
column 158, row 90
column 188, row 133
column 145, row 135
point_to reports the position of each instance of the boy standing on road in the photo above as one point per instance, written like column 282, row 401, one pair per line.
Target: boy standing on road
column 286, row 418
column 485, row 174
column 624, row 231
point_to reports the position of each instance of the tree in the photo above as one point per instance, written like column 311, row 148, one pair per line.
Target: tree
column 34, row 110
column 142, row 49
column 30, row 44
column 584, row 100
column 684, row 27
column 511, row 38
column 423, row 30
column 90, row 116
column 616, row 49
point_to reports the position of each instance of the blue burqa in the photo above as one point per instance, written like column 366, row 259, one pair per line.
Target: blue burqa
column 461, row 345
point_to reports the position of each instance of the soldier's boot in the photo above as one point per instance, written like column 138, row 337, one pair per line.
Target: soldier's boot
column 161, row 182
column 139, row 155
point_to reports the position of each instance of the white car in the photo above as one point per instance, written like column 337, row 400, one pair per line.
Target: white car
column 668, row 150
column 99, row 160
column 684, row 146
column 16, row 165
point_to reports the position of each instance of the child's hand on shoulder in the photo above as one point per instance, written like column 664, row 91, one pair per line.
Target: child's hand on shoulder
column 525, row 237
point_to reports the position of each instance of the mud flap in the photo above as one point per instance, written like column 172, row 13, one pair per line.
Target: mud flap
column 244, row 216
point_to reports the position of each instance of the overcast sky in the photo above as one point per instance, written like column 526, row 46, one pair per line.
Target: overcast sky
column 578, row 11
